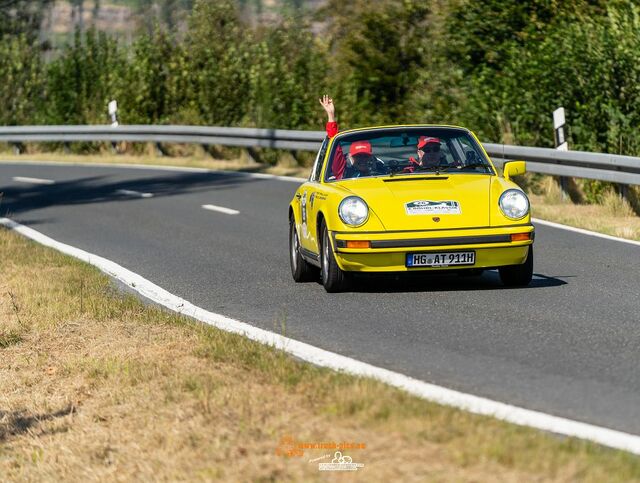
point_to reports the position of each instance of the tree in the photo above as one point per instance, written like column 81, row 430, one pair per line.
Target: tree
column 482, row 34
column 287, row 72
column 376, row 50
column 156, row 82
column 217, row 60
column 21, row 89
column 22, row 17
column 84, row 79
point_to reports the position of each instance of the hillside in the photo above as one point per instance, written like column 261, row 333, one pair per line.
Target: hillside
column 123, row 18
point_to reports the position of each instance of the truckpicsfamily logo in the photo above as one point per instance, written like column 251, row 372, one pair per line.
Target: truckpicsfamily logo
column 290, row 447
column 427, row 207
column 340, row 462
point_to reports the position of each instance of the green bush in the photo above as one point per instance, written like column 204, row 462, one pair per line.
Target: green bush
column 217, row 61
column 287, row 73
column 82, row 81
column 156, row 81
column 21, row 89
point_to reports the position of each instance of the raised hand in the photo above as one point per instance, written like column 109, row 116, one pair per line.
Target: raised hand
column 327, row 104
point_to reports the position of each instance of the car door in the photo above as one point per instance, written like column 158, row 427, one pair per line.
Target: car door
column 308, row 207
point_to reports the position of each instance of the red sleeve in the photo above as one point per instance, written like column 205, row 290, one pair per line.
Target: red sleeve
column 332, row 129
column 339, row 159
column 413, row 164
column 339, row 163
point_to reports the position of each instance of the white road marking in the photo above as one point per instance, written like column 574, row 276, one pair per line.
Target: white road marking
column 584, row 232
column 289, row 179
column 106, row 165
column 278, row 177
column 221, row 209
column 134, row 193
column 469, row 402
column 25, row 179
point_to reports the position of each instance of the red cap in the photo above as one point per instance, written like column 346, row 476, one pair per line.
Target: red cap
column 424, row 140
column 360, row 147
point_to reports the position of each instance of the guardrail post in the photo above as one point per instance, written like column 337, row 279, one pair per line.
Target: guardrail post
column 160, row 151
column 205, row 148
column 294, row 155
column 252, row 156
column 623, row 190
column 17, row 148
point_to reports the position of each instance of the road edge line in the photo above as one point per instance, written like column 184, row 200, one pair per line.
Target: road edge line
column 583, row 231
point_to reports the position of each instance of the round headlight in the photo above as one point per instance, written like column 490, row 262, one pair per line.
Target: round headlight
column 514, row 204
column 353, row 211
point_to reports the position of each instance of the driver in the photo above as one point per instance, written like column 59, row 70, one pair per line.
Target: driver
column 360, row 161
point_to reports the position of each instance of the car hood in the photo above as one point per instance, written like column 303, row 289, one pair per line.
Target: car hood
column 417, row 202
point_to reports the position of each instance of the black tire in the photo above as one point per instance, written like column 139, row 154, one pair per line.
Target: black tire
column 301, row 270
column 332, row 277
column 518, row 275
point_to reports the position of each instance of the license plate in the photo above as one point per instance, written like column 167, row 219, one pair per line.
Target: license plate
column 442, row 259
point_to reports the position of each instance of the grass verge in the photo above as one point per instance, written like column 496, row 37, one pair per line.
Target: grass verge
column 95, row 385
column 612, row 216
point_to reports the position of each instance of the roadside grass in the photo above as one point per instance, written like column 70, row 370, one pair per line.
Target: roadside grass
column 612, row 216
column 97, row 385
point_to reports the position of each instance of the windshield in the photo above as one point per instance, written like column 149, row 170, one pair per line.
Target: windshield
column 405, row 152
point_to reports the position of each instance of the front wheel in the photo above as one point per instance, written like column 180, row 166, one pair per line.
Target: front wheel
column 518, row 275
column 333, row 278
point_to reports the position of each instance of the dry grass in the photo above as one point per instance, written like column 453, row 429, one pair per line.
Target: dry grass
column 613, row 216
column 96, row 386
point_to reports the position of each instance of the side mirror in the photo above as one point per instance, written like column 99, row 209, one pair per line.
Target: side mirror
column 513, row 168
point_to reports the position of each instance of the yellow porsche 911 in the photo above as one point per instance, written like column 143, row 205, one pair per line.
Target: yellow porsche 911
column 409, row 198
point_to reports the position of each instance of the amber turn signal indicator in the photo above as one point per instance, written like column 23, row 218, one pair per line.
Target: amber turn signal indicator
column 520, row 237
column 358, row 244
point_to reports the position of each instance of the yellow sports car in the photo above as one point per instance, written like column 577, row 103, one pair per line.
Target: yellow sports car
column 409, row 198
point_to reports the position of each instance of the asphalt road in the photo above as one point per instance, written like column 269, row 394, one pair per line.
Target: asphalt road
column 568, row 345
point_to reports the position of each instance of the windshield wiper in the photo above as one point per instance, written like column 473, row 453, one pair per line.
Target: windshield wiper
column 475, row 165
column 437, row 168
column 394, row 167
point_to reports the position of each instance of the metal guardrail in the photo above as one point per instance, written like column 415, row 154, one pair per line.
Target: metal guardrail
column 605, row 167
column 228, row 136
column 578, row 164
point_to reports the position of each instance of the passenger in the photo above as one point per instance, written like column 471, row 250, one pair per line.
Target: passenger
column 428, row 155
column 360, row 160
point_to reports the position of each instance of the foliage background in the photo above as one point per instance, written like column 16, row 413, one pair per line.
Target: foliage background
column 499, row 67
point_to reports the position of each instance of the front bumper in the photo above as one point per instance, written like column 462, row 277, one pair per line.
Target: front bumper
column 493, row 248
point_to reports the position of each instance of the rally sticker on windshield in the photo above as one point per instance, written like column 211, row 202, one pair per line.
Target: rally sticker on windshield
column 426, row 207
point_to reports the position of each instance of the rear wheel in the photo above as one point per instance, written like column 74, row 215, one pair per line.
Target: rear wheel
column 301, row 270
column 518, row 275
column 333, row 278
